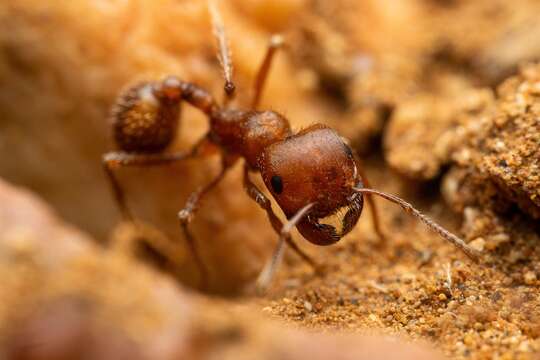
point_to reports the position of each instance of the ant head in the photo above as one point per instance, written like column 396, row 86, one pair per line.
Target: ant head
column 313, row 166
column 169, row 90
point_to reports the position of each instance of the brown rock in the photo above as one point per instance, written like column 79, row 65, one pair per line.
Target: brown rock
column 421, row 134
column 499, row 158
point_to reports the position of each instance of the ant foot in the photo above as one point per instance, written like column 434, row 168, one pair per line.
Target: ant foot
column 264, row 279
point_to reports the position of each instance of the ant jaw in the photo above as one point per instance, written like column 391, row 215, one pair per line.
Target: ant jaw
column 355, row 193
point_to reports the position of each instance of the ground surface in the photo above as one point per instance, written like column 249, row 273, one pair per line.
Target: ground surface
column 418, row 285
column 439, row 109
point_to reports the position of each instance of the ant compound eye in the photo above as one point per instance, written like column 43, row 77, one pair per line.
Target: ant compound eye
column 277, row 184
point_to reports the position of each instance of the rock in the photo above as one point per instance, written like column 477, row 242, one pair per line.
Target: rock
column 61, row 287
column 421, row 134
column 398, row 53
column 502, row 166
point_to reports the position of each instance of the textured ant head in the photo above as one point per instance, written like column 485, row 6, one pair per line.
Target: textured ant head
column 313, row 166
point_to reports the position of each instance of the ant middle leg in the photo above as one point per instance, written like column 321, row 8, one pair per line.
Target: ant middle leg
column 283, row 230
column 186, row 215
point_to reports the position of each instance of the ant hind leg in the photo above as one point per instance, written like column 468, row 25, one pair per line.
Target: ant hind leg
column 116, row 159
column 118, row 191
column 276, row 42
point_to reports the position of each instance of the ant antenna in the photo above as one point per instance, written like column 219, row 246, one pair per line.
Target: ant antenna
column 224, row 53
column 276, row 42
column 456, row 241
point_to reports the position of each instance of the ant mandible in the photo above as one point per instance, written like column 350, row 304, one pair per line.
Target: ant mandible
column 312, row 174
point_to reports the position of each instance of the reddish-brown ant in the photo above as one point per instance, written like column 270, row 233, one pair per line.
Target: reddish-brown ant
column 312, row 174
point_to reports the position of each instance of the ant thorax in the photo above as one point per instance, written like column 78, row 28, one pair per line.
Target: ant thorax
column 248, row 133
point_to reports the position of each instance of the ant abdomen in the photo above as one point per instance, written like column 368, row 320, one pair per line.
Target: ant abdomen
column 143, row 121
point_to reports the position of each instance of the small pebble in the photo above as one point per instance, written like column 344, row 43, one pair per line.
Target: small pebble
column 478, row 244
column 529, row 277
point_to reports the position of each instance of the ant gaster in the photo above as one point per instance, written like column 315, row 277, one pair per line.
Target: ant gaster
column 312, row 174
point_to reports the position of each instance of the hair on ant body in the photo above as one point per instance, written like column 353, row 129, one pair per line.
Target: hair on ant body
column 312, row 174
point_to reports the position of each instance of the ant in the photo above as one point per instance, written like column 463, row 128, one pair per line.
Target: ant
column 312, row 174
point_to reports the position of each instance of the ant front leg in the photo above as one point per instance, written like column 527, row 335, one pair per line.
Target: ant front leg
column 186, row 215
column 266, row 275
column 283, row 230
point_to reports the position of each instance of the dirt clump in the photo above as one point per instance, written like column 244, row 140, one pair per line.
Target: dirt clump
column 503, row 150
column 420, row 138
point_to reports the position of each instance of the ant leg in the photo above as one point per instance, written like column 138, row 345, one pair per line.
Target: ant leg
column 118, row 191
column 374, row 213
column 447, row 235
column 186, row 215
column 266, row 275
column 258, row 196
column 284, row 231
column 373, row 207
column 276, row 42
column 113, row 160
